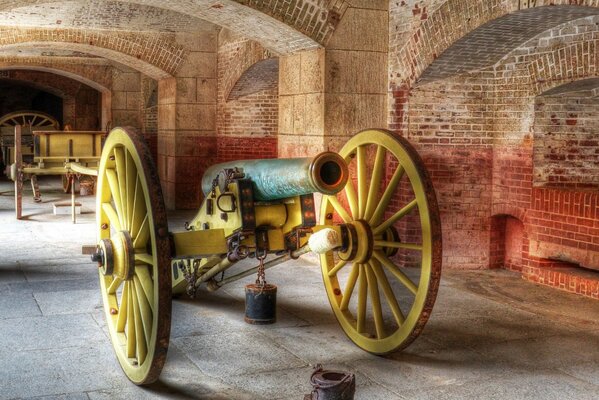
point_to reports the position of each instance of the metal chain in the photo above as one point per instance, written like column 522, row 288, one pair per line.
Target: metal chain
column 261, row 279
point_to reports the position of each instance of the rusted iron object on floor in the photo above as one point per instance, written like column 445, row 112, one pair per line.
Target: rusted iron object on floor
column 332, row 385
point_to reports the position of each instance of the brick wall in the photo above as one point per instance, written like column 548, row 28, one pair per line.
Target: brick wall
column 566, row 149
column 448, row 121
column 248, row 100
column 476, row 130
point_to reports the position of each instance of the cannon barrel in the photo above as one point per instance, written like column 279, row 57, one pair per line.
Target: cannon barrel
column 280, row 178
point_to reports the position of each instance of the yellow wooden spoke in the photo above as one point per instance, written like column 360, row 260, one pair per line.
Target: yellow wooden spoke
column 131, row 345
column 121, row 172
column 375, row 182
column 112, row 216
column 131, row 178
column 388, row 292
column 362, row 297
column 339, row 208
column 141, row 349
column 387, row 196
column 144, row 257
column 362, row 184
column 123, row 309
column 352, row 200
column 144, row 308
column 146, row 282
column 382, row 258
column 142, row 237
column 139, row 210
column 349, row 287
column 113, row 182
column 396, row 217
column 375, row 300
column 114, row 285
column 398, row 245
column 337, row 267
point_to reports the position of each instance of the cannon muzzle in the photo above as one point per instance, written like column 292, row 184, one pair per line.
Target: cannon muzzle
column 281, row 178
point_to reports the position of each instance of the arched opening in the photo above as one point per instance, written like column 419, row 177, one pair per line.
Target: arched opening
column 507, row 241
column 471, row 116
column 248, row 100
column 18, row 96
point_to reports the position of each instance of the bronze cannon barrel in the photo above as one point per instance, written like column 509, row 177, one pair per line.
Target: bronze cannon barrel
column 280, row 178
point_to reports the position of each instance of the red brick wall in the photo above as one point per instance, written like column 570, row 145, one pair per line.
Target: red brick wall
column 447, row 122
column 566, row 150
column 247, row 125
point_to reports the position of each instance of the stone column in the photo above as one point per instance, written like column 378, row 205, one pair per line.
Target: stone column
column 328, row 95
column 187, row 122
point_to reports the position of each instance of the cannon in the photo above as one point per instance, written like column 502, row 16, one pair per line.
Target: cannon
column 377, row 234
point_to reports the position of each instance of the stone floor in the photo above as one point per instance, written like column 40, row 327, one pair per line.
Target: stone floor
column 491, row 335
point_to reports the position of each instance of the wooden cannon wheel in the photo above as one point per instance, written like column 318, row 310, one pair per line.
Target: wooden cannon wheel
column 393, row 218
column 135, row 279
column 33, row 119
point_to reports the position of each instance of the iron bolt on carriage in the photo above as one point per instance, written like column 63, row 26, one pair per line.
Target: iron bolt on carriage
column 378, row 215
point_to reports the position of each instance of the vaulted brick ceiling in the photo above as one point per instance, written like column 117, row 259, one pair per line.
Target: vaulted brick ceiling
column 488, row 44
column 281, row 26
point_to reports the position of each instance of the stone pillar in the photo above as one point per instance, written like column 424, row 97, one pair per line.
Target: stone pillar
column 187, row 122
column 328, row 95
column 126, row 98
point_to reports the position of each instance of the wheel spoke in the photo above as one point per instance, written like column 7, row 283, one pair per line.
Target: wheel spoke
column 141, row 349
column 116, row 193
column 337, row 267
column 123, row 309
column 131, row 178
column 349, row 287
column 144, row 257
column 142, row 237
column 375, row 182
column 121, row 172
column 396, row 217
column 113, row 218
column 114, row 285
column 388, row 292
column 139, row 209
column 350, row 193
column 362, row 185
column 339, row 208
column 362, row 297
column 144, row 308
column 146, row 282
column 387, row 196
column 398, row 245
column 131, row 345
column 375, row 300
column 395, row 271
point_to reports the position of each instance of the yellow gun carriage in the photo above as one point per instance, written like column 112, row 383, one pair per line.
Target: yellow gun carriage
column 67, row 153
column 377, row 227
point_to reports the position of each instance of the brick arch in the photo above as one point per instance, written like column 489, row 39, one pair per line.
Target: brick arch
column 280, row 25
column 507, row 210
column 449, row 23
column 148, row 54
column 59, row 86
column 263, row 75
column 564, row 64
column 67, row 73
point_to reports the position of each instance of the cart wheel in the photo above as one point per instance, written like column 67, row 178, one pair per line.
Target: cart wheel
column 135, row 280
column 393, row 260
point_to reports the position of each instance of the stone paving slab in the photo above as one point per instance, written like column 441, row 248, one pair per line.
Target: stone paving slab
column 491, row 335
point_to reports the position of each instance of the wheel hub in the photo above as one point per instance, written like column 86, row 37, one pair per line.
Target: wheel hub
column 116, row 255
column 360, row 242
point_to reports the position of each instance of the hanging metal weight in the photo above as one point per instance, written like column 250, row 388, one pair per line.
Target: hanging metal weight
column 261, row 297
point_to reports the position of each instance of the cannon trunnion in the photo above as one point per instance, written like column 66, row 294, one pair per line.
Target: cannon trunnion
column 377, row 233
